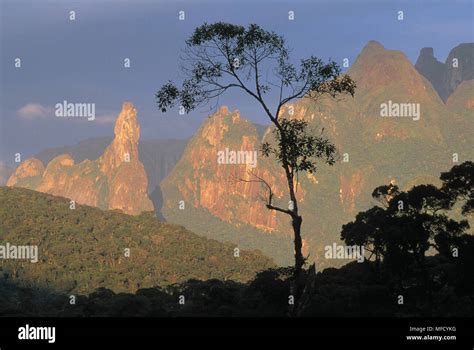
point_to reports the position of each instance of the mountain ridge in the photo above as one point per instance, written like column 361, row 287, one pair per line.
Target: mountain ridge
column 116, row 180
column 405, row 151
column 446, row 77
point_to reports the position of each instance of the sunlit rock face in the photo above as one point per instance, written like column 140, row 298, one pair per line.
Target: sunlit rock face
column 116, row 180
column 223, row 187
column 374, row 150
column 26, row 171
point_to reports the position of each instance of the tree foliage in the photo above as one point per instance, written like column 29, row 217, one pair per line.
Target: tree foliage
column 458, row 183
column 401, row 231
column 299, row 147
column 223, row 56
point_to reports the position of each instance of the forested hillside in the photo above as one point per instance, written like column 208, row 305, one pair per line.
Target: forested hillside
column 86, row 248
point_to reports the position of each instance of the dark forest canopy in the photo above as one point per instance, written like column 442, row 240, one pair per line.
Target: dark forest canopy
column 431, row 285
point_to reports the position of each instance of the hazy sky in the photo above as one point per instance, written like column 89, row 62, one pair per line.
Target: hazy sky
column 82, row 60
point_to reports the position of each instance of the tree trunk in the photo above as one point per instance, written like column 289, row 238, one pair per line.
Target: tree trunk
column 298, row 283
column 299, row 260
column 296, row 221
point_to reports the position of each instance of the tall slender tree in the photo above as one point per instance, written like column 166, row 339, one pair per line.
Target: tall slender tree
column 222, row 56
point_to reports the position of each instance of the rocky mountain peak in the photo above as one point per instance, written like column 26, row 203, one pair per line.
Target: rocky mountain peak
column 445, row 77
column 124, row 147
column 426, row 52
column 126, row 125
column 459, row 66
column 28, row 169
column 372, row 46
column 117, row 180
column 435, row 71
column 377, row 67
column 333, row 195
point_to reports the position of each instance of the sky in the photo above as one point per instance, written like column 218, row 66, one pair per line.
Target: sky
column 83, row 60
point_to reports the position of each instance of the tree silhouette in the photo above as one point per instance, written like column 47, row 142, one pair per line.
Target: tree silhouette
column 408, row 224
column 458, row 183
column 223, row 56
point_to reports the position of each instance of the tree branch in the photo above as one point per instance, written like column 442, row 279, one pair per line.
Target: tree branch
column 269, row 199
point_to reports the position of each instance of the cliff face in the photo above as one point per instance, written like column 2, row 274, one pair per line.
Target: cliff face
column 446, row 77
column 464, row 70
column 223, row 188
column 433, row 70
column 116, row 180
column 27, row 174
column 374, row 150
column 158, row 156
column 126, row 177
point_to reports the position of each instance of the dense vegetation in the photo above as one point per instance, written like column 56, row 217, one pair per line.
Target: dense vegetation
column 83, row 249
column 353, row 290
column 400, row 263
column 199, row 220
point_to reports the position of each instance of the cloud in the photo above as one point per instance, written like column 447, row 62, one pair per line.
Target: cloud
column 33, row 111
